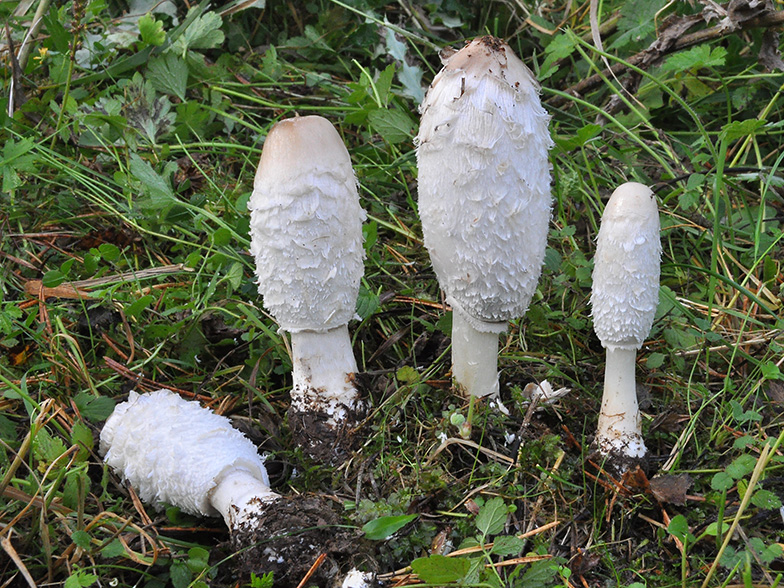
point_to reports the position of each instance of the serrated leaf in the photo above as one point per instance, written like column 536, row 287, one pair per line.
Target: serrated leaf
column 394, row 126
column 721, row 482
column 203, row 33
column 81, row 539
column 153, row 185
column 507, row 545
column 47, row 447
column 741, row 466
column 151, row 30
column 169, row 74
column 439, row 569
column 738, row 129
column 696, row 58
column 637, row 22
column 94, row 408
column 561, row 46
column 766, row 499
column 492, row 517
column 383, row 527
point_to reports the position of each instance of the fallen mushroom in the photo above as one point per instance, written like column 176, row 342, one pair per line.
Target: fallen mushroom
column 175, row 452
column 306, row 237
column 484, row 198
column 624, row 297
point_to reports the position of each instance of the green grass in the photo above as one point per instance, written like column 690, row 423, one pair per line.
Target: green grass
column 129, row 154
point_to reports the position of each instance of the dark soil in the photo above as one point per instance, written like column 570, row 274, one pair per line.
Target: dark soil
column 321, row 441
column 288, row 539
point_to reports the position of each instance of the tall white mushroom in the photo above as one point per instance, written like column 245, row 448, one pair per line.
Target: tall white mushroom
column 484, row 198
column 306, row 237
column 174, row 451
column 624, row 297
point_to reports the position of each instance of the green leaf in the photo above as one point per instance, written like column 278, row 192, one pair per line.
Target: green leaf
column 82, row 436
column 492, row 517
column 153, row 185
column 180, row 574
column 561, row 46
column 507, row 545
column 94, row 408
column 540, row 574
column 367, row 302
column 696, row 58
column 81, row 539
column 738, row 129
column 134, row 309
column 47, row 447
column 637, row 22
column 382, row 527
column 744, row 416
column 263, row 581
column 169, row 74
column 679, row 527
column 203, row 33
column 394, row 126
column 151, row 30
column 80, row 579
column 741, row 466
column 766, row 499
column 407, row 374
column 721, row 482
column 221, row 237
column 113, row 549
column 655, row 360
column 439, row 569
column 770, row 371
column 198, row 559
column 713, row 528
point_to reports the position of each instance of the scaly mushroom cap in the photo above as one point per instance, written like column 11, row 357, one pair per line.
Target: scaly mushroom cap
column 625, row 289
column 484, row 181
column 146, row 439
column 306, row 226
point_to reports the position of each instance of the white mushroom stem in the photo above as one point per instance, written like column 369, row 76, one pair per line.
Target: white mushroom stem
column 619, row 421
column 240, row 496
column 474, row 356
column 323, row 373
column 176, row 452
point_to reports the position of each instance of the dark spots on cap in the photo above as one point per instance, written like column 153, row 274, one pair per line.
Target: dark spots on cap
column 492, row 43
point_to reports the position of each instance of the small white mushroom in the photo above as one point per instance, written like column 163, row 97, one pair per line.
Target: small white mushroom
column 175, row 452
column 624, row 297
column 484, row 198
column 306, row 237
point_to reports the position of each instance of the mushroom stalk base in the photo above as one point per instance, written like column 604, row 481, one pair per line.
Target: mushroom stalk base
column 323, row 373
column 474, row 357
column 239, row 497
column 619, row 429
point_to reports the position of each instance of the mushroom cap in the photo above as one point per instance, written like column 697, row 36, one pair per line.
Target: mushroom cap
column 625, row 289
column 306, row 226
column 174, row 451
column 484, row 181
